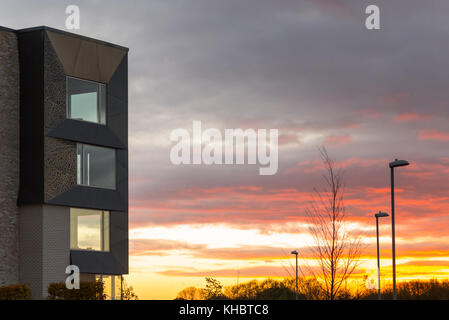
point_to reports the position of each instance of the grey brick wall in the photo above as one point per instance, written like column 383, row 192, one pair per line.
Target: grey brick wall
column 44, row 246
column 9, row 157
column 55, row 245
column 31, row 219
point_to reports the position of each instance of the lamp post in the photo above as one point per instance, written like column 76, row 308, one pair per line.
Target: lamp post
column 394, row 164
column 296, row 254
column 378, row 215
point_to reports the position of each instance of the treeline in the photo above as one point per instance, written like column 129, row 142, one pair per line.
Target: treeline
column 312, row 289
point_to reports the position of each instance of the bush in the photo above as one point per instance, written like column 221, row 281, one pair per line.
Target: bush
column 268, row 289
column 87, row 291
column 190, row 293
column 424, row 290
column 15, row 292
column 128, row 292
column 311, row 289
column 213, row 290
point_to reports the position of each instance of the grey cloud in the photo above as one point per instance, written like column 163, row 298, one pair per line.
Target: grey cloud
column 300, row 66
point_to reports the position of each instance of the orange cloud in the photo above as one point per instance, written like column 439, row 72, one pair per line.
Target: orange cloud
column 396, row 98
column 432, row 134
column 337, row 140
column 426, row 263
column 159, row 247
column 411, row 116
column 248, row 272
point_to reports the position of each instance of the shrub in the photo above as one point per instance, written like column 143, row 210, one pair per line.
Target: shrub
column 311, row 289
column 87, row 291
column 190, row 293
column 15, row 292
column 268, row 289
column 128, row 292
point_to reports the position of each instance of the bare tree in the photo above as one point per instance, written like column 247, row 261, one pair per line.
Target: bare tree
column 336, row 251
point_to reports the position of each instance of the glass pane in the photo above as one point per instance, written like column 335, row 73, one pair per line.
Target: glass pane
column 86, row 100
column 84, row 106
column 118, row 287
column 112, row 286
column 102, row 103
column 99, row 166
column 107, row 286
column 79, row 169
column 86, row 229
column 105, row 231
column 73, row 230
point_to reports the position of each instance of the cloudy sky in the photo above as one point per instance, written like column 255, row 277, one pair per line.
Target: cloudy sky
column 308, row 68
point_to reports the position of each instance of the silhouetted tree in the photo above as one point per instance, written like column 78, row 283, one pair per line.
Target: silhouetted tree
column 213, row 289
column 270, row 289
column 335, row 249
column 128, row 292
column 190, row 293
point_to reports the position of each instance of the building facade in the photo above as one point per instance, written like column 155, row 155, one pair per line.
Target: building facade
column 63, row 160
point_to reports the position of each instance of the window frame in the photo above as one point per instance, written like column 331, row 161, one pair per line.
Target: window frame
column 80, row 169
column 99, row 107
column 102, row 231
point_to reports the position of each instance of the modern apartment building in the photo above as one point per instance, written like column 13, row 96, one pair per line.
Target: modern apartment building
column 63, row 158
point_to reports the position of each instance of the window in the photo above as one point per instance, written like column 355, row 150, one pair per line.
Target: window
column 86, row 100
column 95, row 166
column 89, row 230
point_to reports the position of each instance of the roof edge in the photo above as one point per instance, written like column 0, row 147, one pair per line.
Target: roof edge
column 66, row 33
column 7, row 29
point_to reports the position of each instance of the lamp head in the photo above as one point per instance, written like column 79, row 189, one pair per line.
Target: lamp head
column 381, row 214
column 398, row 163
column 294, row 252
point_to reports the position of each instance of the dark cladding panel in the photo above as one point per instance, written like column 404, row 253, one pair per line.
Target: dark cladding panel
column 117, row 110
column 119, row 239
column 87, row 132
column 118, row 85
column 91, row 198
column 31, row 53
column 122, row 175
column 96, row 262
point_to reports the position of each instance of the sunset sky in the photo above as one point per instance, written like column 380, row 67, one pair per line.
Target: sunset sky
column 308, row 68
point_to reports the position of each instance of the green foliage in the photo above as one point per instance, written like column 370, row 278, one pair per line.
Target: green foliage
column 15, row 292
column 87, row 291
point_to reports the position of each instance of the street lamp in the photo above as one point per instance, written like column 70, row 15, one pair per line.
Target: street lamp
column 296, row 254
column 378, row 215
column 394, row 164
